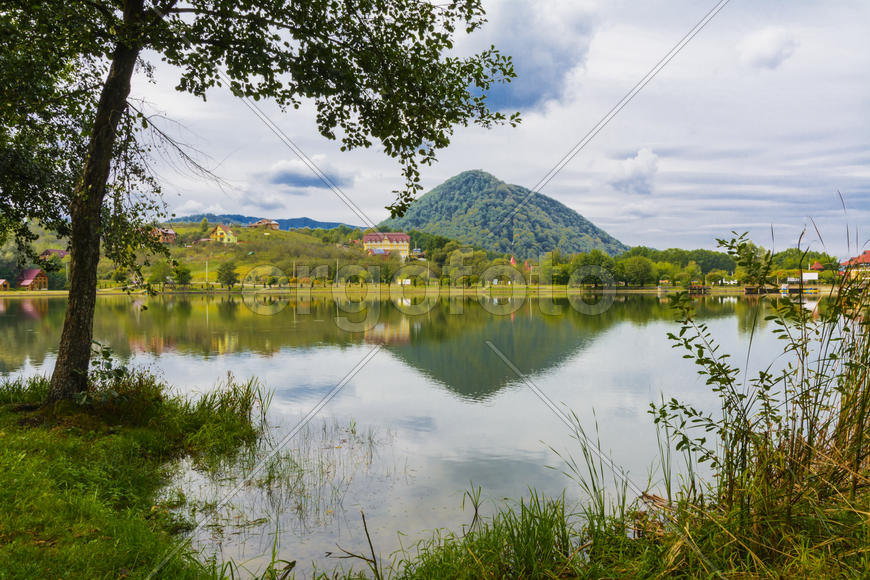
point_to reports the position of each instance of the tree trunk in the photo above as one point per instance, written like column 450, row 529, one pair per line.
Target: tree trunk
column 74, row 352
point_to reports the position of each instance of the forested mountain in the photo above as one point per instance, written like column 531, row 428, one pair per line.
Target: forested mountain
column 243, row 220
column 476, row 208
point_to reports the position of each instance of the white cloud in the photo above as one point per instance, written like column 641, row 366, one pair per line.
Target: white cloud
column 767, row 48
column 637, row 174
column 190, row 206
column 295, row 176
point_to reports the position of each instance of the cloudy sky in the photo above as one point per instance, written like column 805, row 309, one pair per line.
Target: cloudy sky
column 756, row 125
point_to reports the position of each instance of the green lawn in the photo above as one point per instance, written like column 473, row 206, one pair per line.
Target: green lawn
column 79, row 483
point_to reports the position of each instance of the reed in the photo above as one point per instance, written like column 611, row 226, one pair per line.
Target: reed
column 788, row 447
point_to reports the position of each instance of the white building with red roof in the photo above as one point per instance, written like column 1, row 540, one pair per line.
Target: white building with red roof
column 388, row 242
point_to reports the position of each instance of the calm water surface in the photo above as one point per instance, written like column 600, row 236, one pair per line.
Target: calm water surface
column 432, row 412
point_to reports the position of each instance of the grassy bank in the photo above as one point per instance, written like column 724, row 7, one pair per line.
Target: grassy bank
column 79, row 481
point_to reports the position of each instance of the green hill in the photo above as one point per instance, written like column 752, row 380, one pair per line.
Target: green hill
column 476, row 208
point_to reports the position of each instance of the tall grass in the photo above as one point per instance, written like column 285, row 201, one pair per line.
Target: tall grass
column 789, row 446
column 534, row 539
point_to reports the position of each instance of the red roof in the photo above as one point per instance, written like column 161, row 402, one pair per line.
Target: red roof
column 29, row 276
column 54, row 251
column 263, row 222
column 862, row 259
column 386, row 237
column 817, row 266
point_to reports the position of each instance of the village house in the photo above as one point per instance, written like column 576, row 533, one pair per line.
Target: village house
column 47, row 254
column 4, row 285
column 266, row 224
column 387, row 242
column 33, row 279
column 223, row 234
column 165, row 235
column 858, row 266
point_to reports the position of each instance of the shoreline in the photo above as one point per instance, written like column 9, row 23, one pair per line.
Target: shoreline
column 384, row 291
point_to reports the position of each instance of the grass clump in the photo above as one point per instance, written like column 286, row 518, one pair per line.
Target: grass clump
column 78, row 480
column 534, row 539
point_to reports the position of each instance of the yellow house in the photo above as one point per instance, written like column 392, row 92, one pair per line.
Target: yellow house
column 388, row 243
column 223, row 234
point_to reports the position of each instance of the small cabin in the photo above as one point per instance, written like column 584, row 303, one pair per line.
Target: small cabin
column 266, row 224
column 165, row 235
column 33, row 279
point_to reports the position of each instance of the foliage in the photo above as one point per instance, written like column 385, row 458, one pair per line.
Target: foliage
column 360, row 75
column 797, row 258
column 380, row 72
column 428, row 243
column 41, row 135
column 706, row 260
column 181, row 274
column 227, row 275
column 56, row 273
column 50, row 71
column 637, row 270
column 159, row 273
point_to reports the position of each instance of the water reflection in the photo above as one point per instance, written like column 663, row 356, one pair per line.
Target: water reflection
column 29, row 330
column 444, row 342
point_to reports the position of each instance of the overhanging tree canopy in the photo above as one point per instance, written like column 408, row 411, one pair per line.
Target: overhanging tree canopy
column 375, row 70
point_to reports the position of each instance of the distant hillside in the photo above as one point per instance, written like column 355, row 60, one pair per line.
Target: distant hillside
column 283, row 223
column 472, row 207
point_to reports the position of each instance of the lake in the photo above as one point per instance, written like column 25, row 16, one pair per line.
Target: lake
column 427, row 406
